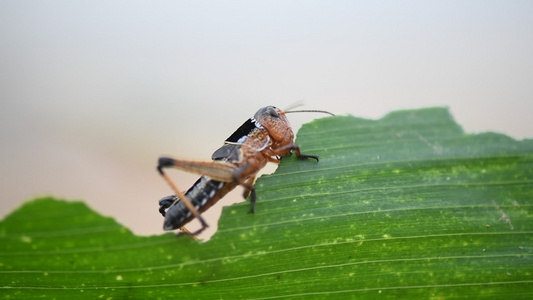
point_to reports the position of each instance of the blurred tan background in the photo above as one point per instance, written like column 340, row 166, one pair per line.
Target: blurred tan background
column 93, row 92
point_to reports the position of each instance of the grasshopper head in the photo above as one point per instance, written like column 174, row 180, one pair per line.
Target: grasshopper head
column 276, row 123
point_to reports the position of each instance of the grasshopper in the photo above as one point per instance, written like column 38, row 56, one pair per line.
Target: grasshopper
column 266, row 137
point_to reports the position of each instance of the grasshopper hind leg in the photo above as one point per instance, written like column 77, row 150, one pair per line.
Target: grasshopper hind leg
column 169, row 162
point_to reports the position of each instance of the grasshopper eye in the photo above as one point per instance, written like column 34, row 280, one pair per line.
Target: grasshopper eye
column 272, row 111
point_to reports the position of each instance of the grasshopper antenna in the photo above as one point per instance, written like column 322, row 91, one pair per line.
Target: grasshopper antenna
column 295, row 105
column 301, row 103
column 310, row 110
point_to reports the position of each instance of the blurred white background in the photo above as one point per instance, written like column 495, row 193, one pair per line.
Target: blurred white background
column 93, row 92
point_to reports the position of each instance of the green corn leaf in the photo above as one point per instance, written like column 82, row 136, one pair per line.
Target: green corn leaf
column 408, row 206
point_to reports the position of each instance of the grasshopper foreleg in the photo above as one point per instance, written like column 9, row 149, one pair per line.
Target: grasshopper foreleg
column 293, row 147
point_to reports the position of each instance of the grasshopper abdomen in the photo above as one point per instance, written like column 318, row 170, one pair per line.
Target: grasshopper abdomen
column 200, row 194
